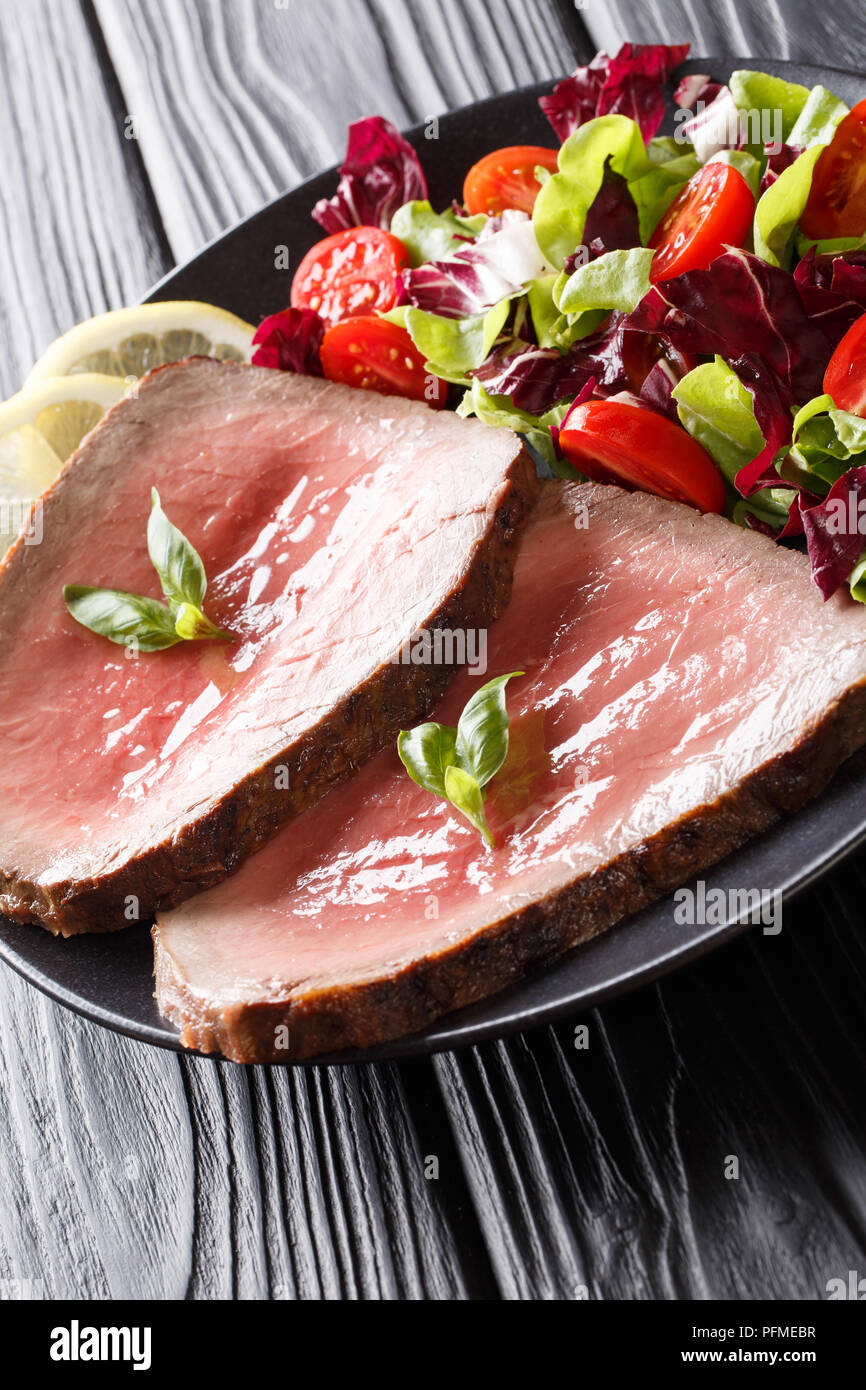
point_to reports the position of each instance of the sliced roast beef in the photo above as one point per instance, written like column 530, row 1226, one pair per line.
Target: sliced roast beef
column 333, row 524
column 684, row 687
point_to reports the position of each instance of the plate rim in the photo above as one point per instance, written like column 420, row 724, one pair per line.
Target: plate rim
column 447, row 1033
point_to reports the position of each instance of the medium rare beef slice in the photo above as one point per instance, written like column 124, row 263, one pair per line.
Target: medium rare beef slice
column 333, row 525
column 684, row 687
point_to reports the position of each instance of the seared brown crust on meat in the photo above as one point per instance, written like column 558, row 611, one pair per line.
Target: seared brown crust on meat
column 216, row 844
column 371, row 1013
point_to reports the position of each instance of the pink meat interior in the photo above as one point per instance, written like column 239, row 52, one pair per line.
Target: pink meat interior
column 331, row 524
column 667, row 656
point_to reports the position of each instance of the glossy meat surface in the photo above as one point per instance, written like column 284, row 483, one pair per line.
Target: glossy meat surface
column 667, row 657
column 332, row 524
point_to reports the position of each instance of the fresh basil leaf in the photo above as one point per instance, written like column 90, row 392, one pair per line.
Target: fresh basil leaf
column 122, row 617
column 192, row 625
column 465, row 795
column 426, row 753
column 176, row 561
column 456, row 764
column 482, row 730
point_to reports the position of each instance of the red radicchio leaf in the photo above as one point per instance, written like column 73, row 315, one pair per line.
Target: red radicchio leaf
column 535, row 378
column 772, row 405
column 290, row 342
column 612, row 221
column 471, row 281
column 575, row 101
column 777, row 162
column 695, row 87
column 635, row 83
column 832, row 529
column 583, row 394
column 694, row 313
column 832, row 290
column 657, row 387
column 754, row 523
column 380, row 173
column 630, row 84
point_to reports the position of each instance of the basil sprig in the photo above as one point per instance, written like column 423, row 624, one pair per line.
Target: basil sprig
column 153, row 626
column 457, row 764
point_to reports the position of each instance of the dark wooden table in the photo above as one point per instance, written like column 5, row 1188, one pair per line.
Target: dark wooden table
column 131, row 132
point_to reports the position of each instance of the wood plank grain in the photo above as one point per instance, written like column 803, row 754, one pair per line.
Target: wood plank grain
column 131, row 1172
column 601, row 1173
column 794, row 29
column 560, row 1173
column 74, row 225
column 234, row 102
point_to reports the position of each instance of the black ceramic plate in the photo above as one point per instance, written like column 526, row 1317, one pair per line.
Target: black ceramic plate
column 109, row 979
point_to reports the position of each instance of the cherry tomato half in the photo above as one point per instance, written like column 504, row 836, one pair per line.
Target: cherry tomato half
column 379, row 356
column 714, row 210
column 845, row 377
column 506, row 179
column 349, row 273
column 837, row 199
column 618, row 442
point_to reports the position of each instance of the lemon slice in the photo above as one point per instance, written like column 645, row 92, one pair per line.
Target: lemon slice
column 128, row 342
column 39, row 428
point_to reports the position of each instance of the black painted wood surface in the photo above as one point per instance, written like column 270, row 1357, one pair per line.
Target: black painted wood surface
column 130, row 132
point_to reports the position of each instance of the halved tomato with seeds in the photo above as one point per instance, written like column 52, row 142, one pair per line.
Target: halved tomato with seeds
column 836, row 206
column 349, row 273
column 506, row 179
column 379, row 356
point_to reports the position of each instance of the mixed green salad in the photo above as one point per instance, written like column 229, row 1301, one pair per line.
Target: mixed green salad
column 679, row 313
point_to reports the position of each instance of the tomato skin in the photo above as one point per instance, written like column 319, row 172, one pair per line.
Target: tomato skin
column 845, row 377
column 714, row 210
column 350, row 273
column 506, row 179
column 376, row 355
column 618, row 442
column 836, row 205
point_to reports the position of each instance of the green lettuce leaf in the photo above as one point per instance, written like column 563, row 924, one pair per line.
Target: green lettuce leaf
column 563, row 203
column 744, row 163
column 781, row 208
column 654, row 191
column 717, row 410
column 817, row 122
column 758, row 91
column 616, row 280
column 432, row 236
column 827, row 441
column 452, row 347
